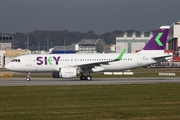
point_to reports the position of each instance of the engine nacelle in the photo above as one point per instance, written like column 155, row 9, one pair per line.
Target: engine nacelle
column 68, row 72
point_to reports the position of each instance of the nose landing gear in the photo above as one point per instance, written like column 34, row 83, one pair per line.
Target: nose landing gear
column 28, row 77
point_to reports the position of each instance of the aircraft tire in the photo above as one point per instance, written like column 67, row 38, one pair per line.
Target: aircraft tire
column 82, row 77
column 88, row 77
column 28, row 79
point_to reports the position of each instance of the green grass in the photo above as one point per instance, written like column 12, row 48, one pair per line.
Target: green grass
column 91, row 102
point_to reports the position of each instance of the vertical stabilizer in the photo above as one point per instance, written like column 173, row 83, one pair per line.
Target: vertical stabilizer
column 158, row 41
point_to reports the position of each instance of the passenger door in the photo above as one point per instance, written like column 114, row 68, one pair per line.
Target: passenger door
column 28, row 61
column 139, row 60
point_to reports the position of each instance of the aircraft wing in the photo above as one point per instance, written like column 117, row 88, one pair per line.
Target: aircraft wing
column 91, row 65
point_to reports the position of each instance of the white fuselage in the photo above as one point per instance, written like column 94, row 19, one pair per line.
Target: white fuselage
column 52, row 62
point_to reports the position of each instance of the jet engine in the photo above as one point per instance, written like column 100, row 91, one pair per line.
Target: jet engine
column 66, row 72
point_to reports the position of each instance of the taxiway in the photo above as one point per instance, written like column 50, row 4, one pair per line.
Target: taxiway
column 95, row 81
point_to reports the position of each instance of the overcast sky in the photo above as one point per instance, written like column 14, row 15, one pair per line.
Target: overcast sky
column 83, row 15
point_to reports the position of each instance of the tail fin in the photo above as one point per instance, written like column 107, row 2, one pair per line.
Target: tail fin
column 158, row 41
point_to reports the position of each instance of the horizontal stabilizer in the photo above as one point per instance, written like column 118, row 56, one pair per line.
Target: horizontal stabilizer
column 163, row 58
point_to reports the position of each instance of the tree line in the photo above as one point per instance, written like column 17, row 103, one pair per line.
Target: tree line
column 38, row 40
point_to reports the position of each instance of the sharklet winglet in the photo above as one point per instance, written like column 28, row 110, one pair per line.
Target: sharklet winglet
column 121, row 55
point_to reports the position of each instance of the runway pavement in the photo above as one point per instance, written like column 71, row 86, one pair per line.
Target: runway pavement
column 95, row 81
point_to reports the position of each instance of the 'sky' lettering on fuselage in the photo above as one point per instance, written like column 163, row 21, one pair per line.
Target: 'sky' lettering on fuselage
column 47, row 60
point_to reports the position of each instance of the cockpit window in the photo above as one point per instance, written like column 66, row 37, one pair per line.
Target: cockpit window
column 15, row 60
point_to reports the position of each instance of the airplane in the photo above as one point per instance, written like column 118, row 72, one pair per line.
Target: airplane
column 72, row 65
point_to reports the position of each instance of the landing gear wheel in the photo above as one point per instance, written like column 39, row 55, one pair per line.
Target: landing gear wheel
column 88, row 77
column 28, row 79
column 82, row 77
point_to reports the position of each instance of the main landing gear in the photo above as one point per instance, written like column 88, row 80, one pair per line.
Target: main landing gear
column 83, row 77
column 28, row 77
